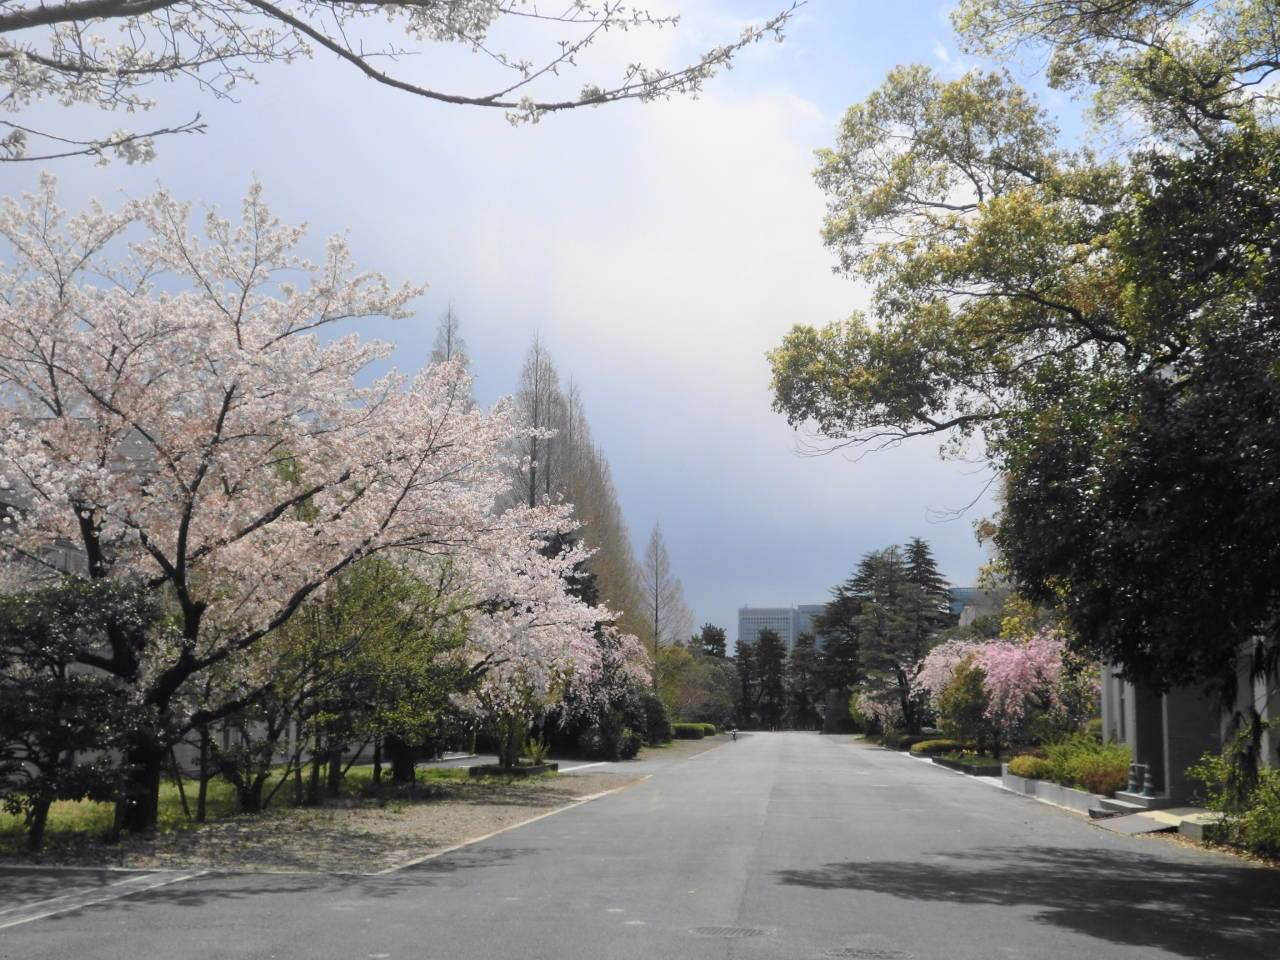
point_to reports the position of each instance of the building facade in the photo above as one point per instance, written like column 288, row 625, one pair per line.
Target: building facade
column 787, row 622
column 1170, row 732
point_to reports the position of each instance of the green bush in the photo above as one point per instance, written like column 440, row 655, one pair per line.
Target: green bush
column 1083, row 761
column 687, row 731
column 929, row 747
column 1034, row 768
column 629, row 744
column 709, row 729
column 1251, row 812
column 896, row 740
column 653, row 719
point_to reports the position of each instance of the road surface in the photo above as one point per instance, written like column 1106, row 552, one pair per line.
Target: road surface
column 781, row 846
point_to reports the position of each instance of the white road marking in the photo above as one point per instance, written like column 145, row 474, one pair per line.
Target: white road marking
column 584, row 766
column 75, row 901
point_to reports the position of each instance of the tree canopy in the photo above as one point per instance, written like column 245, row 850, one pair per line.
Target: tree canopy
column 1099, row 325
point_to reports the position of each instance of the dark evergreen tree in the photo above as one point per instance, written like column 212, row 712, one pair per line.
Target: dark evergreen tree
column 804, row 687
column 711, row 642
column 53, row 715
column 746, row 659
column 840, row 664
column 771, row 667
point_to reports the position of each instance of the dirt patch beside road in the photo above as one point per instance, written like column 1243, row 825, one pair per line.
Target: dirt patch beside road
column 363, row 834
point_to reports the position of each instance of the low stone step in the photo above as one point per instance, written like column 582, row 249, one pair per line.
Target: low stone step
column 1139, row 802
column 1116, row 805
column 1133, row 824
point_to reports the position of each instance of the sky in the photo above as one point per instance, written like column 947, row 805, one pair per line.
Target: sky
column 659, row 250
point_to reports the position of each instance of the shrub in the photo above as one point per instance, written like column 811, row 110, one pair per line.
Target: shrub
column 657, row 724
column 907, row 741
column 1083, row 761
column 1251, row 812
column 1101, row 774
column 629, row 744
column 709, row 729
column 1033, row 768
column 936, row 746
column 1029, row 752
column 688, row 731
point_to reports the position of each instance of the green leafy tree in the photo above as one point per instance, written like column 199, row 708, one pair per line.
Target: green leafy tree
column 963, row 707
column 1102, row 327
column 695, row 688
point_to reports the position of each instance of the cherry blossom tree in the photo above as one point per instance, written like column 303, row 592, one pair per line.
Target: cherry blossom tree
column 55, row 51
column 537, row 648
column 940, row 664
column 176, row 420
column 1020, row 677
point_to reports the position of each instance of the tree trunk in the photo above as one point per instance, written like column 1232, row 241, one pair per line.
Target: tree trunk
column 139, row 805
column 377, row 761
column 313, row 786
column 36, row 820
column 177, row 778
column 335, row 768
column 403, row 760
column 202, row 795
column 297, row 776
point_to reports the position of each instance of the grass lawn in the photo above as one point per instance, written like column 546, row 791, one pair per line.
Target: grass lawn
column 72, row 823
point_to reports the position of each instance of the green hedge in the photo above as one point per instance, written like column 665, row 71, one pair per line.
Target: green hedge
column 902, row 741
column 709, row 729
column 1033, row 768
column 929, row 747
column 1083, row 761
column 688, row 731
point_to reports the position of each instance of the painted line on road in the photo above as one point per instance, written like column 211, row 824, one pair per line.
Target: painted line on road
column 584, row 766
column 76, row 901
column 708, row 750
column 542, row 816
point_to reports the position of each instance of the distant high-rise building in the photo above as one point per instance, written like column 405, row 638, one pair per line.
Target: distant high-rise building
column 787, row 622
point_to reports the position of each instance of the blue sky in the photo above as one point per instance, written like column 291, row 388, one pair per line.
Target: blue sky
column 659, row 249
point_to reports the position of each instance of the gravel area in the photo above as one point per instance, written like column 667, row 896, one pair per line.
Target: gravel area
column 351, row 834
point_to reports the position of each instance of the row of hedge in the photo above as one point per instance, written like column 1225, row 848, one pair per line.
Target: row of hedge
column 1080, row 761
column 693, row 731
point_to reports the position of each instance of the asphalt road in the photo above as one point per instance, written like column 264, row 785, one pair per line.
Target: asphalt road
column 777, row 846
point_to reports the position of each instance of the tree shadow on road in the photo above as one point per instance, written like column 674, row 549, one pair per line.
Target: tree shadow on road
column 1201, row 909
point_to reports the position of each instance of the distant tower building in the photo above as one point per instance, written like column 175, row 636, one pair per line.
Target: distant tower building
column 787, row 622
column 805, row 613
